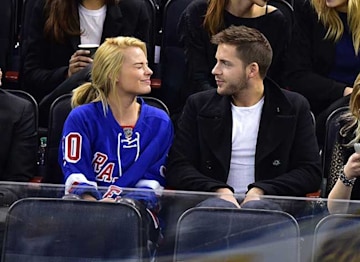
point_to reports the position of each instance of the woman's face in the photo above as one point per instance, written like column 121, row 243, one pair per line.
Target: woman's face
column 134, row 76
column 339, row 5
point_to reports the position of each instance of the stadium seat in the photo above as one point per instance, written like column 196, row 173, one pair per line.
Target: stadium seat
column 336, row 231
column 58, row 113
column 232, row 234
column 332, row 128
column 50, row 229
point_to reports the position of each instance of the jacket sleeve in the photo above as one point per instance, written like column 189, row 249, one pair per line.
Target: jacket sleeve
column 21, row 164
column 195, row 42
column 303, row 173
column 184, row 171
column 301, row 73
column 35, row 73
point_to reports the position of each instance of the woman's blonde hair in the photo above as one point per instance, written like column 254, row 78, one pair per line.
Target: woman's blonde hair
column 353, row 117
column 107, row 63
column 329, row 17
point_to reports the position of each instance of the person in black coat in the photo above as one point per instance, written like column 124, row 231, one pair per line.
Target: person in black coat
column 19, row 144
column 201, row 20
column 323, row 61
column 56, row 28
column 248, row 135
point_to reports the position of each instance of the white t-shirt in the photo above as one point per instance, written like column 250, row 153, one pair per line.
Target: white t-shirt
column 246, row 121
column 91, row 24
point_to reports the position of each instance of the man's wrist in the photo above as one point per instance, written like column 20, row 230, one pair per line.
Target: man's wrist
column 255, row 191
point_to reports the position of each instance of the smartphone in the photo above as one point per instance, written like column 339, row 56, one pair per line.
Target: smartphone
column 357, row 147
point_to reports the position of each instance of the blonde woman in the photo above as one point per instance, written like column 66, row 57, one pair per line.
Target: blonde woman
column 323, row 59
column 345, row 165
column 112, row 138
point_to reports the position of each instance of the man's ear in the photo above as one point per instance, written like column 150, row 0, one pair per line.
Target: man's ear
column 252, row 70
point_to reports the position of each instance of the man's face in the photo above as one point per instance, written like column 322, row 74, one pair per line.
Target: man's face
column 229, row 71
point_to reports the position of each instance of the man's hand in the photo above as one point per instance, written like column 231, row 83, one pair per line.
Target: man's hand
column 227, row 195
column 254, row 193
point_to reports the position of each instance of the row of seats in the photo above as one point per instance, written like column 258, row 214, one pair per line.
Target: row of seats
column 117, row 234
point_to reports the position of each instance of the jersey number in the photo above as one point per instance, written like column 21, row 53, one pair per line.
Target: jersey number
column 73, row 147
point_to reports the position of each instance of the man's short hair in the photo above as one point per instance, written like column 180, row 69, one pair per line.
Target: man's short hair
column 251, row 45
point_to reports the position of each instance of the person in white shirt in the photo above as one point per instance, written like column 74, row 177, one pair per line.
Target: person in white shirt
column 248, row 136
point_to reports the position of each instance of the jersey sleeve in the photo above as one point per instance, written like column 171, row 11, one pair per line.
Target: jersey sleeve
column 75, row 157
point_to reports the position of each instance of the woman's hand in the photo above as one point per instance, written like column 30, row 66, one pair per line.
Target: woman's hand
column 78, row 61
column 352, row 167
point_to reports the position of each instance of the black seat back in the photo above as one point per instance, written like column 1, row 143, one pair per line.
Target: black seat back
column 332, row 128
column 59, row 111
column 41, row 229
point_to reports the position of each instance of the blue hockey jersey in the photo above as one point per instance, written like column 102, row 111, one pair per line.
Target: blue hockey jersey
column 96, row 151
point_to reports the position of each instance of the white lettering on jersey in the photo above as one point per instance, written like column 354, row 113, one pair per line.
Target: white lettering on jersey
column 112, row 192
column 106, row 173
column 72, row 147
column 98, row 161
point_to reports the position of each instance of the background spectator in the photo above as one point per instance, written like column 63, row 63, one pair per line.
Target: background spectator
column 345, row 162
column 19, row 144
column 204, row 18
column 323, row 59
column 57, row 27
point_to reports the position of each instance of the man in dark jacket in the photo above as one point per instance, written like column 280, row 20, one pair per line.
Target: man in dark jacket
column 247, row 136
column 18, row 139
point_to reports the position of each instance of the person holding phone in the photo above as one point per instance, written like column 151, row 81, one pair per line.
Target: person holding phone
column 345, row 164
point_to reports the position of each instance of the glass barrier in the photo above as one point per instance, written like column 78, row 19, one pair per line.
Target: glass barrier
column 39, row 223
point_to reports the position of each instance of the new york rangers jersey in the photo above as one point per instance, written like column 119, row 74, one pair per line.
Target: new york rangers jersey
column 97, row 152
